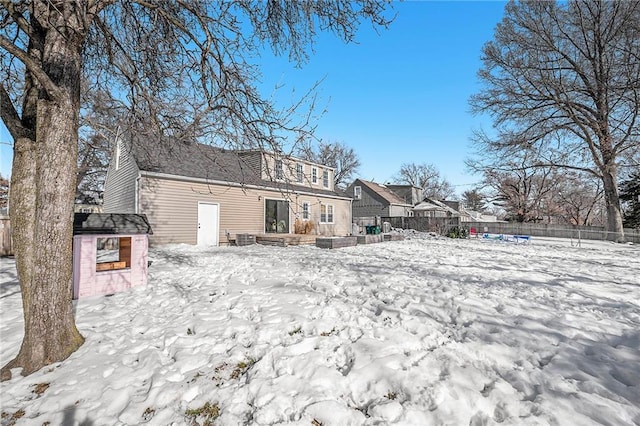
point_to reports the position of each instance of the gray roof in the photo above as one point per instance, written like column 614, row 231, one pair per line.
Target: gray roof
column 384, row 193
column 110, row 223
column 435, row 205
column 196, row 160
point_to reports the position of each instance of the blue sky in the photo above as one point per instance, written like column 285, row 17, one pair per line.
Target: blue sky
column 397, row 96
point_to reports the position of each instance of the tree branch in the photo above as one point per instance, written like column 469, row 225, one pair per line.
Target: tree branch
column 17, row 16
column 11, row 118
column 49, row 86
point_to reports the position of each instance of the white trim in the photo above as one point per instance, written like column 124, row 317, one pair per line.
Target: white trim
column 333, row 213
column 278, row 172
column 357, row 192
column 136, row 194
column 264, row 214
column 217, row 224
column 300, row 173
column 326, row 179
column 118, row 153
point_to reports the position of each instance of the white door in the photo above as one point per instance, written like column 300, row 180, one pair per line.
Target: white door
column 208, row 217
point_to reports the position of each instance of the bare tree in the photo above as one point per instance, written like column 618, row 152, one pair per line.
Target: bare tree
column 514, row 185
column 578, row 198
column 151, row 52
column 337, row 155
column 564, row 79
column 427, row 177
column 94, row 144
column 4, row 192
column 93, row 161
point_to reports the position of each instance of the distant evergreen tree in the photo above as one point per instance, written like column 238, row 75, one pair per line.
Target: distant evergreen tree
column 474, row 200
column 630, row 195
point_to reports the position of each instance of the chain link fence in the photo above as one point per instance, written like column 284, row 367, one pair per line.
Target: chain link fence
column 552, row 230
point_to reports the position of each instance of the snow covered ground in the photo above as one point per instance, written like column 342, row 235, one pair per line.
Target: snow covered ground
column 426, row 331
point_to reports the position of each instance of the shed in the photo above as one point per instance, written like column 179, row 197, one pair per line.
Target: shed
column 110, row 252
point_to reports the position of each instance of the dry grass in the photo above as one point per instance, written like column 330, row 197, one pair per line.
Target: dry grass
column 209, row 412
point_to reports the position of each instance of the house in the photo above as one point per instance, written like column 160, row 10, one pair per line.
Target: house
column 371, row 199
column 468, row 215
column 409, row 193
column 199, row 194
column 434, row 208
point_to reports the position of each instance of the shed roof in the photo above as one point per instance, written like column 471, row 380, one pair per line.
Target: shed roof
column 110, row 223
column 385, row 193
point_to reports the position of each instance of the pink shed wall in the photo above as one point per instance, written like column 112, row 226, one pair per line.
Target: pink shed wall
column 89, row 282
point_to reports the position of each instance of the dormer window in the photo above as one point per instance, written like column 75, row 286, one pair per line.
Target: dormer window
column 357, row 192
column 314, row 175
column 300, row 172
column 325, row 178
column 279, row 170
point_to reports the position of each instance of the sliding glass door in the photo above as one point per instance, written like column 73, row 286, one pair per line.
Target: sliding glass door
column 276, row 216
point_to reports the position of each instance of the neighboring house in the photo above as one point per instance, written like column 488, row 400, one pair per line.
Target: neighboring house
column 198, row 194
column 409, row 193
column 434, row 208
column 468, row 215
column 371, row 199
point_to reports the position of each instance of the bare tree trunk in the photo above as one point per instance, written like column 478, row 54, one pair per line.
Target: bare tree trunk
column 612, row 201
column 44, row 173
column 21, row 208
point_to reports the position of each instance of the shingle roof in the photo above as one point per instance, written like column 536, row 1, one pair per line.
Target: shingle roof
column 435, row 205
column 110, row 223
column 384, row 192
column 196, row 160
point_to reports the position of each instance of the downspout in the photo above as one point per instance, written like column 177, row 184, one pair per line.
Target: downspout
column 350, row 216
column 136, row 208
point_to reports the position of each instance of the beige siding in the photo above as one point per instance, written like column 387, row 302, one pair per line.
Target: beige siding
column 342, row 214
column 290, row 172
column 171, row 207
column 120, row 184
column 398, row 211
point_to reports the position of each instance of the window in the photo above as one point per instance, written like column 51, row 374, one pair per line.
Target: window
column 300, row 172
column 113, row 253
column 326, row 213
column 314, row 175
column 325, row 178
column 279, row 170
column 357, row 192
column 276, row 216
column 305, row 211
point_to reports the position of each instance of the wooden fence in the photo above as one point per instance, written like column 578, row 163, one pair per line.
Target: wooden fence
column 5, row 237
